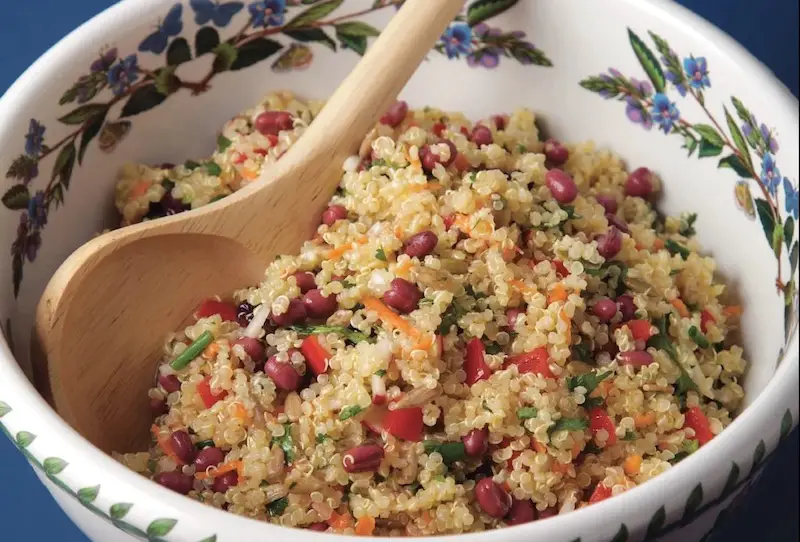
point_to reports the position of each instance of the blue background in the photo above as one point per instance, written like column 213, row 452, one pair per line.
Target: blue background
column 768, row 28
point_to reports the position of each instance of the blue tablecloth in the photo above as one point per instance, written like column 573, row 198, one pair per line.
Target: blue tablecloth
column 768, row 28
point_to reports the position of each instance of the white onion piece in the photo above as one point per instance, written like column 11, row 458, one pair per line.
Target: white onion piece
column 378, row 390
column 383, row 350
column 379, row 281
column 260, row 315
column 351, row 163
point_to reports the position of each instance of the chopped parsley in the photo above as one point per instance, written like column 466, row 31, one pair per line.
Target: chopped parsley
column 687, row 224
column 473, row 177
column 472, row 293
column 719, row 347
column 204, row 444
column 689, row 447
column 348, row 412
column 426, row 301
column 167, row 184
column 381, row 255
column 321, row 437
column 380, row 372
column 450, row 451
column 521, row 148
column 286, row 443
column 699, row 339
column 212, row 168
column 629, row 435
column 592, row 448
column 587, row 380
column 191, row 165
column 349, row 334
column 569, row 424
column 581, row 352
column 676, row 248
column 684, row 384
column 661, row 340
column 526, row 413
column 485, row 407
column 592, row 402
column 673, row 272
column 493, row 348
column 223, row 143
column 449, row 319
column 414, row 487
column 276, row 508
column 570, row 210
column 378, row 162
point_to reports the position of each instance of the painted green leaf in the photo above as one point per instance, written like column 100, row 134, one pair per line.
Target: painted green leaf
column 707, row 148
column 23, row 167
column 120, row 510
column 730, row 483
column 17, row 197
column 65, row 162
column 17, row 264
column 314, row 13
column 788, row 231
column 205, row 41
column 690, row 144
column 777, row 238
column 212, row 538
column 90, row 131
column 793, row 256
column 709, row 133
column 143, row 99
column 758, row 455
column 738, row 139
column 178, row 52
column 166, row 81
column 82, row 113
column 4, row 409
column 481, row 10
column 741, row 110
column 225, row 55
column 354, row 43
column 786, row 424
column 656, row 524
column 24, row 439
column 54, row 465
column 601, row 86
column 317, row 35
column 87, row 495
column 622, row 534
column 255, row 51
column 692, row 504
column 525, row 53
column 734, row 162
column 767, row 219
column 358, row 28
column 134, row 531
column 161, row 527
column 648, row 61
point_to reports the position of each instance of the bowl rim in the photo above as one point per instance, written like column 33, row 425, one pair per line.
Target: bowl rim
column 782, row 387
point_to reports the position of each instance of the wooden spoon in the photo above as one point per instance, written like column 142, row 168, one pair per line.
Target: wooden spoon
column 102, row 319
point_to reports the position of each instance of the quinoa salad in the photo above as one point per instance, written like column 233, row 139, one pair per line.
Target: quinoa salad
column 487, row 329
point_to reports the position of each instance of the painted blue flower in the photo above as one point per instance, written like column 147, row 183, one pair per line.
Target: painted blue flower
column 664, row 112
column 104, row 63
column 791, row 198
column 34, row 139
column 123, row 74
column 487, row 57
column 637, row 113
column 32, row 244
column 771, row 142
column 770, row 174
column 267, row 12
column 644, row 88
column 37, row 210
column 457, row 40
column 697, row 71
column 677, row 81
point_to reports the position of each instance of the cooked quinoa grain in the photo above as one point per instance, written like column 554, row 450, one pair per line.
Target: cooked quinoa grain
column 487, row 330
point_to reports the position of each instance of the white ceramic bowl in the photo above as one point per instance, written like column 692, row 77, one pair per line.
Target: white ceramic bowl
column 58, row 193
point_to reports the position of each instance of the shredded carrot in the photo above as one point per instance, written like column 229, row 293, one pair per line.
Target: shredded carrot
column 576, row 449
column 403, row 269
column 240, row 412
column 643, row 420
column 732, row 311
column 424, row 343
column 632, row 464
column 432, row 187
column 462, row 223
column 139, row 189
column 639, row 246
column 363, row 240
column 337, row 253
column 339, row 522
column 211, row 351
column 561, row 468
column 563, row 315
column 398, row 232
column 165, row 445
column 248, row 174
column 658, row 244
column 390, row 317
column 557, row 293
column 538, row 446
column 522, row 287
column 365, row 526
column 213, row 472
column 681, row 307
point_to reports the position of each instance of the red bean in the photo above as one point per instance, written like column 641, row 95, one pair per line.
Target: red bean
column 453, row 152
column 608, row 202
column 421, row 244
column 295, row 314
column 208, row 457
column 224, row 482
column 605, row 309
column 364, row 458
column 333, row 213
column 561, row 185
column 158, row 407
column 396, row 114
column 305, row 281
column 493, row 499
column 402, row 295
column 635, row 358
column 182, row 446
column 548, row 512
column 614, row 220
column 318, row 305
column 319, row 527
column 500, row 121
column 273, row 122
column 170, row 383
column 284, row 375
column 610, row 243
column 176, row 481
column 521, row 512
column 626, row 307
column 511, row 316
column 429, row 158
column 556, row 153
column 639, row 183
column 476, row 442
column 252, row 347
column 481, row 135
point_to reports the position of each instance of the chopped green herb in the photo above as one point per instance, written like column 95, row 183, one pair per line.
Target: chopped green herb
column 378, row 478
column 592, row 448
column 191, row 164
column 286, row 443
column 684, row 384
column 689, row 447
column 699, row 339
column 582, row 352
column 471, row 292
column 526, row 413
column 521, row 148
column 571, row 214
column 192, row 351
column 293, row 485
column 212, row 168
column 276, row 508
column 629, row 435
column 623, row 274
column 204, row 444
column 426, row 301
column 152, row 464
column 485, row 406
column 217, row 198
column 594, row 271
column 414, row 487
column 694, row 307
column 167, row 184
column 381, row 255
column 687, row 224
column 378, row 162
column 349, row 412
column 348, row 284
column 719, row 347
column 321, row 437
column 676, row 248
column 449, row 319
column 592, row 402
column 673, row 272
column 349, row 334
column 450, row 451
column 380, row 372
column 439, row 478
column 661, row 340
column 569, row 424
column 493, row 348
column 473, row 177
column 588, row 380
column 223, row 143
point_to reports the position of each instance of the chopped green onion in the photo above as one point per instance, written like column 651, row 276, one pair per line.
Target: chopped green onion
column 526, row 413
column 699, row 339
column 192, row 351
column 381, row 255
column 673, row 272
column 217, row 198
column 676, row 248
column 450, row 451
column 719, row 347
column 473, row 177
column 191, row 164
column 661, row 340
column 212, row 168
column 276, row 508
column 570, row 424
column 286, row 443
column 449, row 319
column 380, row 372
column 684, row 384
column 592, row 448
column 349, row 412
column 629, row 435
column 351, row 335
column 167, row 184
column 571, row 214
column 223, row 143
column 204, row 444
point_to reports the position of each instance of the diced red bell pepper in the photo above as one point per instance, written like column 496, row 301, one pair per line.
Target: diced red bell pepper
column 599, row 419
column 600, row 493
column 438, row 128
column 536, row 361
column 465, row 131
column 374, row 419
column 209, row 398
column 316, row 355
column 475, row 365
column 697, row 420
column 706, row 318
column 404, row 423
column 440, row 346
column 210, row 307
column 449, row 220
column 640, row 329
column 561, row 269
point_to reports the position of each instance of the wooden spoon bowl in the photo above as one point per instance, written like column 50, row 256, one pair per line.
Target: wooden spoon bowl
column 102, row 319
